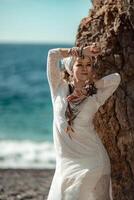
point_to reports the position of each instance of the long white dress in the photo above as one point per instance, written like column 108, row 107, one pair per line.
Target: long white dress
column 83, row 170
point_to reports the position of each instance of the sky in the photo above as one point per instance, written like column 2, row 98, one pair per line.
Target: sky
column 41, row 21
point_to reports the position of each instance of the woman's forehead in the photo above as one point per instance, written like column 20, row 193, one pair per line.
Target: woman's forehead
column 83, row 60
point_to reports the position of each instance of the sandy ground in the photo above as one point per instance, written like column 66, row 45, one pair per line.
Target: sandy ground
column 25, row 184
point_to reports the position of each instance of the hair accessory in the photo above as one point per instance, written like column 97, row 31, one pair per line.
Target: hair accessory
column 68, row 63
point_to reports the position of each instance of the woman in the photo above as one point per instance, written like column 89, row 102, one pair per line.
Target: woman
column 82, row 163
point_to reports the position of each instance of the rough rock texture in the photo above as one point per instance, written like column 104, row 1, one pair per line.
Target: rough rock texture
column 111, row 22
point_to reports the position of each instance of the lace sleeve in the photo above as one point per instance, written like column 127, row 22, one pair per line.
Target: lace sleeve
column 106, row 87
column 53, row 70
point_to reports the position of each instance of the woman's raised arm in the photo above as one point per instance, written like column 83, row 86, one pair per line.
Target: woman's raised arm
column 53, row 64
column 106, row 87
column 53, row 68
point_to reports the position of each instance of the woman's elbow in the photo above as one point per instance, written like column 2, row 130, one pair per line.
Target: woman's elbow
column 117, row 78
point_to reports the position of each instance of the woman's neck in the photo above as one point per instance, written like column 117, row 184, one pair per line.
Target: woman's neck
column 79, row 84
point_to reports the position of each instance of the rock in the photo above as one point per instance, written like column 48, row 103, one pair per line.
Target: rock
column 111, row 22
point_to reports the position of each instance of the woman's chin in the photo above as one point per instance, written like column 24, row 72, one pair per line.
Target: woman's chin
column 84, row 78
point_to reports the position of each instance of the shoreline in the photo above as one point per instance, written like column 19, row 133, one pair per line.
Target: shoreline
column 25, row 184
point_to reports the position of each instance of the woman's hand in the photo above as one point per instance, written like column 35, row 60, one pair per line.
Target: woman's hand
column 92, row 50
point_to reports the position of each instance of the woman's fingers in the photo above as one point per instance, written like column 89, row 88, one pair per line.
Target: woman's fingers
column 95, row 49
column 92, row 50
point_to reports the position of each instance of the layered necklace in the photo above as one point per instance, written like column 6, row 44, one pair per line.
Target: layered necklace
column 75, row 98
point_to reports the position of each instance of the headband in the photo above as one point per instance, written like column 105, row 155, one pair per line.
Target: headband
column 67, row 63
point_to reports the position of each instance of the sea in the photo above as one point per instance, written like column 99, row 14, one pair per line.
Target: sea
column 26, row 117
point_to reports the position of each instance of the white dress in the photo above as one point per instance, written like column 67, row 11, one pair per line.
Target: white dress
column 83, row 170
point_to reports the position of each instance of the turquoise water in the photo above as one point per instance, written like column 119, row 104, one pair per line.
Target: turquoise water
column 25, row 106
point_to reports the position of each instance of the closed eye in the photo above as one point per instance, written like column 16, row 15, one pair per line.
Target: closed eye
column 78, row 65
column 82, row 65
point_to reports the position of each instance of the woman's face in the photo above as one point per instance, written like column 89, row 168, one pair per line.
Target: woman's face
column 82, row 69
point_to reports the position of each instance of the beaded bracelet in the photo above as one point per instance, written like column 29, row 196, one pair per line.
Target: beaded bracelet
column 80, row 51
column 76, row 51
column 69, row 52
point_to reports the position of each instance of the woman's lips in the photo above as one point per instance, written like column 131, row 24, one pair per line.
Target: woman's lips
column 85, row 73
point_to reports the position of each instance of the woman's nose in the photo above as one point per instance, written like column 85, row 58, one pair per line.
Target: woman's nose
column 84, row 67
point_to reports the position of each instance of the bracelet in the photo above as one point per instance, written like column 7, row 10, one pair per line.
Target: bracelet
column 69, row 52
column 75, row 51
column 80, row 51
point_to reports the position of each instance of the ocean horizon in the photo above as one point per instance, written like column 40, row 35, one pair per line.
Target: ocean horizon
column 26, row 135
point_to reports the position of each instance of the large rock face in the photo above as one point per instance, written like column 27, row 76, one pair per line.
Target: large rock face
column 112, row 24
